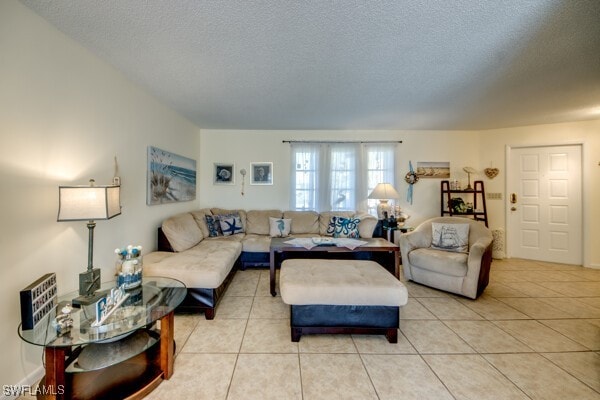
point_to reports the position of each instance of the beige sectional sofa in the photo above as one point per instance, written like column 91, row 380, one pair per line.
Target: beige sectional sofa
column 187, row 252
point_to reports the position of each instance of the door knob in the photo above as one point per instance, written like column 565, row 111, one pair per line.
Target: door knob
column 513, row 198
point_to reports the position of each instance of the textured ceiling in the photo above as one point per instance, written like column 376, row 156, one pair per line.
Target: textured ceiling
column 371, row 64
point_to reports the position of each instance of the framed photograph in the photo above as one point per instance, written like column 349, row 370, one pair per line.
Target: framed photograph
column 261, row 173
column 223, row 174
column 429, row 169
column 171, row 177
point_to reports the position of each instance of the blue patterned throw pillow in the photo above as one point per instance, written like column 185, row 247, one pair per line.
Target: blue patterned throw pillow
column 213, row 225
column 343, row 227
column 231, row 225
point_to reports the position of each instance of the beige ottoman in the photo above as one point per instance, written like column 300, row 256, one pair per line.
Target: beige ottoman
column 341, row 296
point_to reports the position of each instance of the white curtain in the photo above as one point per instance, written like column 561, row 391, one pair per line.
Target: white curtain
column 305, row 163
column 339, row 176
column 381, row 167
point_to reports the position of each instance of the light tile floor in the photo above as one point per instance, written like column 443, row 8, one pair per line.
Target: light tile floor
column 534, row 334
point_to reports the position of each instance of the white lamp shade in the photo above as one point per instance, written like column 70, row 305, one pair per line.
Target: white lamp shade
column 79, row 203
column 384, row 191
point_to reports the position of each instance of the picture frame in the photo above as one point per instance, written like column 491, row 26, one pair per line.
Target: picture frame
column 433, row 169
column 223, row 174
column 170, row 177
column 261, row 173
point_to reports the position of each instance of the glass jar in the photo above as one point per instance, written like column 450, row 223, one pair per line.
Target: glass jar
column 129, row 271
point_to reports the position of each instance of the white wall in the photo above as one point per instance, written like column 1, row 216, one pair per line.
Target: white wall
column 64, row 115
column 242, row 147
column 493, row 150
column 475, row 149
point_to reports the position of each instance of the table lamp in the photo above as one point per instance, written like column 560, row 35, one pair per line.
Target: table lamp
column 383, row 192
column 88, row 203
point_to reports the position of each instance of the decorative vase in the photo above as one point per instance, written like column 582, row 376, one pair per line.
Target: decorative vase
column 129, row 272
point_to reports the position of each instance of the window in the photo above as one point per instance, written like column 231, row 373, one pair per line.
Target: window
column 339, row 176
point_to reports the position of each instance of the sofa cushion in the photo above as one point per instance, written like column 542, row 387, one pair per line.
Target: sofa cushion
column 450, row 237
column 367, row 225
column 199, row 216
column 230, row 224
column 279, row 227
column 205, row 265
column 182, row 231
column 442, row 262
column 258, row 221
column 256, row 243
column 343, row 227
column 325, row 218
column 303, row 221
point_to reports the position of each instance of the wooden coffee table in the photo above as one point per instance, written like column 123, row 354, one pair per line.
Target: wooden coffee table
column 278, row 245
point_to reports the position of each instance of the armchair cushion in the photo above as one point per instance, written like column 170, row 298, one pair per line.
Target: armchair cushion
column 443, row 262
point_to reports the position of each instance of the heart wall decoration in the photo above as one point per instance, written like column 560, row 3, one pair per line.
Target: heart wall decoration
column 491, row 172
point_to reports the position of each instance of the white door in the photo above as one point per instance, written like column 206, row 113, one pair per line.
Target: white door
column 544, row 204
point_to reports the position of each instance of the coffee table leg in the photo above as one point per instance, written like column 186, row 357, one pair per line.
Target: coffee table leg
column 397, row 264
column 272, row 273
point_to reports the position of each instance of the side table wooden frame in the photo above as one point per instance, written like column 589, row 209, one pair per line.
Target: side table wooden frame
column 57, row 359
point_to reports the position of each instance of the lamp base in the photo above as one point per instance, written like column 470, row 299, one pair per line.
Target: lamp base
column 383, row 209
column 89, row 282
column 80, row 301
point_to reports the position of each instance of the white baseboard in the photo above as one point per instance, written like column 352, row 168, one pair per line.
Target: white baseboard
column 30, row 381
column 594, row 266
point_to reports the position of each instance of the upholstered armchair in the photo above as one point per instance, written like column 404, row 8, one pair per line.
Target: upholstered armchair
column 462, row 272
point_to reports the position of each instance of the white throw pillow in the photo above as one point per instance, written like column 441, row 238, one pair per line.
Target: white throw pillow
column 450, row 237
column 279, row 227
column 230, row 225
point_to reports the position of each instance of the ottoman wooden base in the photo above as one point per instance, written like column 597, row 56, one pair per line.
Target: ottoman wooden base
column 333, row 319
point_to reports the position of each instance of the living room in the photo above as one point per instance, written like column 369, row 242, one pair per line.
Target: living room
column 67, row 114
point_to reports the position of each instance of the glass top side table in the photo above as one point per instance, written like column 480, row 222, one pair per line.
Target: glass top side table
column 155, row 300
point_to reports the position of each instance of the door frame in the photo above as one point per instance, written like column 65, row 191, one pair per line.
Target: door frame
column 584, row 206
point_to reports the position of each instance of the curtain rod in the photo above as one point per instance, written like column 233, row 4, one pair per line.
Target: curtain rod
column 341, row 141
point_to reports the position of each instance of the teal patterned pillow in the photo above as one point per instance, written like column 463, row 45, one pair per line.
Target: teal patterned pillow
column 343, row 227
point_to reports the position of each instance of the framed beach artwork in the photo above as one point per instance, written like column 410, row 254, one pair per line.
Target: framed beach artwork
column 261, row 173
column 171, row 177
column 433, row 169
column 223, row 174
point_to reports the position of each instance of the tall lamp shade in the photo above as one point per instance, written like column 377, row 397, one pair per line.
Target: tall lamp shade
column 383, row 192
column 88, row 203
column 85, row 203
